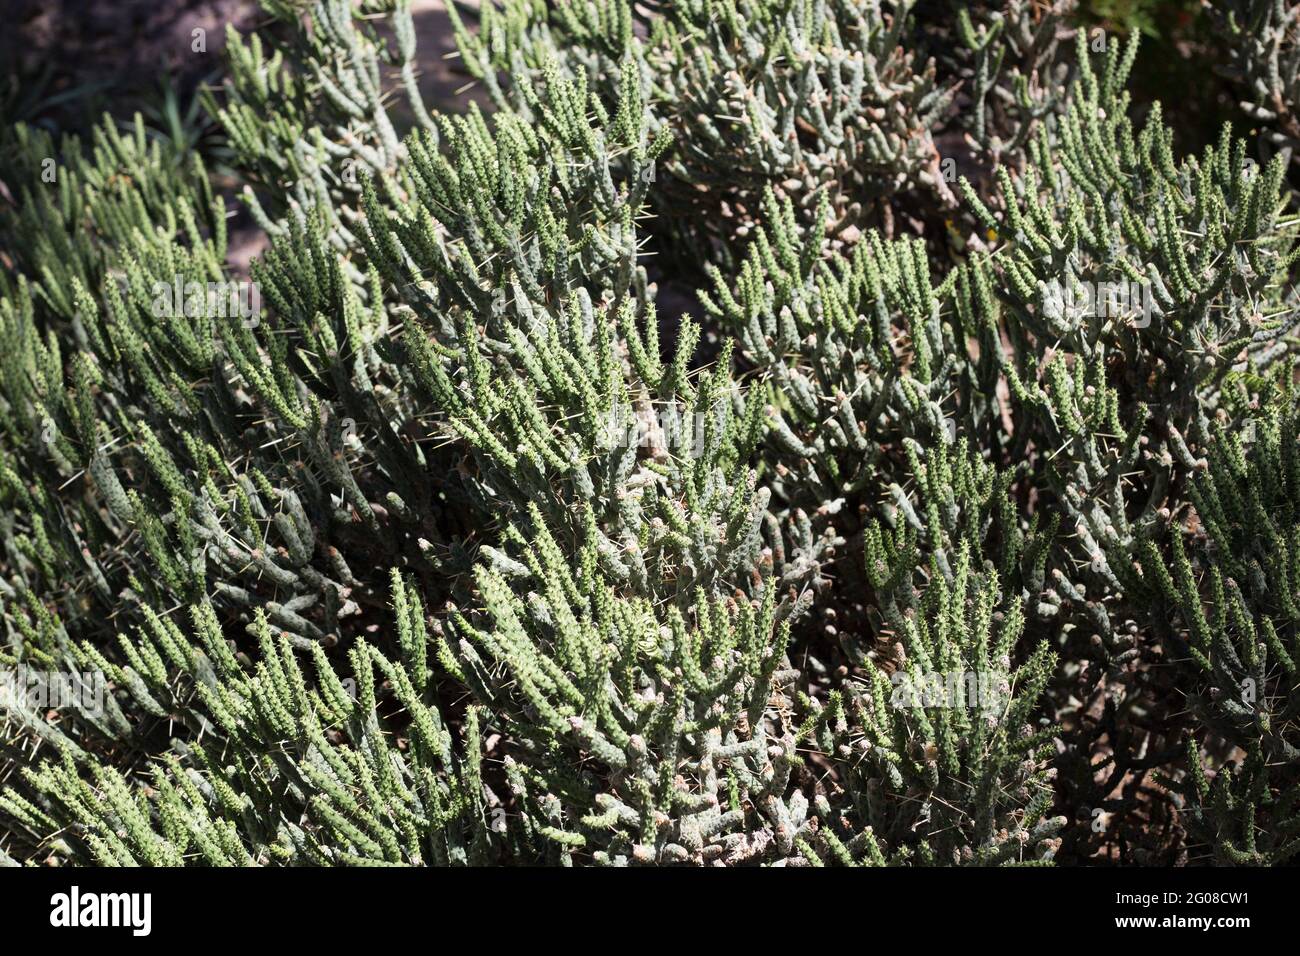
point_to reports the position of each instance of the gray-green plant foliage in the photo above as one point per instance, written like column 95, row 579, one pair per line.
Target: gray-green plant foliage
column 450, row 549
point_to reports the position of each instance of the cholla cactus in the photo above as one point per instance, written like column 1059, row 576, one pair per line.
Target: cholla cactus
column 321, row 774
column 126, row 188
column 636, row 735
column 311, row 117
column 950, row 729
column 819, row 97
column 812, row 97
column 355, row 419
column 1015, row 74
column 433, row 542
column 849, row 345
column 1124, row 317
column 1264, row 49
column 1227, row 593
column 1126, row 288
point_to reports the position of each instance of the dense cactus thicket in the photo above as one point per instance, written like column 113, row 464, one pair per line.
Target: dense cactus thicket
column 956, row 520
